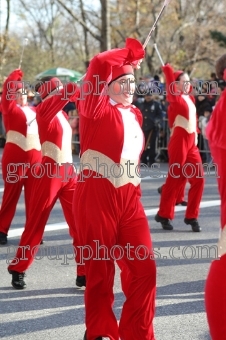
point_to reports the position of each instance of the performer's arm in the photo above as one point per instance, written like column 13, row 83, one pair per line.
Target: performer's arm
column 51, row 106
column 171, row 90
column 94, row 88
column 9, row 91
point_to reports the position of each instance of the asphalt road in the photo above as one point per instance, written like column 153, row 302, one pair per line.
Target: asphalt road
column 51, row 307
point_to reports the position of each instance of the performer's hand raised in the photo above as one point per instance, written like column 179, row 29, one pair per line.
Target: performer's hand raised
column 135, row 49
column 136, row 64
column 17, row 74
column 166, row 67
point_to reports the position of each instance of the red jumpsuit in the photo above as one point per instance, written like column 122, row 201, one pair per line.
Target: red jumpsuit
column 22, row 147
column 108, row 212
column 56, row 180
column 184, row 157
column 215, row 290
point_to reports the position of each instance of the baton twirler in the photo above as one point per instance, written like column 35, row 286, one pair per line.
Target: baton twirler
column 159, row 55
column 22, row 52
column 166, row 2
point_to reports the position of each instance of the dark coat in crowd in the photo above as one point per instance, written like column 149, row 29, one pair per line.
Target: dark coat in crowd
column 202, row 105
column 152, row 114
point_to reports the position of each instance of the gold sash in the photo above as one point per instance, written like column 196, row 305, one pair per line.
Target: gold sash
column 189, row 126
column 31, row 141
column 118, row 174
column 59, row 156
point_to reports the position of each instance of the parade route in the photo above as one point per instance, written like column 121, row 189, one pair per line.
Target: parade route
column 51, row 307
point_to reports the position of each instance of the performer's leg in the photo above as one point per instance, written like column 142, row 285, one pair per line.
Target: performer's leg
column 177, row 151
column 45, row 193
column 194, row 170
column 138, row 275
column 96, row 218
column 13, row 184
column 181, row 193
column 32, row 173
column 66, row 200
column 16, row 174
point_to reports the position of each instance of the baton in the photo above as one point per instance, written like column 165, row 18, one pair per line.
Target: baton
column 22, row 53
column 192, row 71
column 159, row 55
column 166, row 2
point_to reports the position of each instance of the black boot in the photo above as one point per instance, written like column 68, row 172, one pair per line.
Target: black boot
column 159, row 190
column 194, row 224
column 165, row 222
column 99, row 337
column 184, row 203
column 80, row 281
column 17, row 279
column 3, row 238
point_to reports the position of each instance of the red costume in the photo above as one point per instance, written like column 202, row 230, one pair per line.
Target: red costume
column 184, row 156
column 56, row 177
column 107, row 206
column 215, row 290
column 181, row 194
column 22, row 147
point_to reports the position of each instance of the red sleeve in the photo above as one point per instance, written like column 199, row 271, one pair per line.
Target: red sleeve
column 170, row 83
column 51, row 106
column 9, row 91
column 216, row 126
column 93, row 90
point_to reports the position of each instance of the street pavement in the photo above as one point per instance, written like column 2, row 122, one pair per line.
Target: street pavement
column 51, row 307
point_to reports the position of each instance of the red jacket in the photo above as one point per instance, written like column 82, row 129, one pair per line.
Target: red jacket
column 216, row 127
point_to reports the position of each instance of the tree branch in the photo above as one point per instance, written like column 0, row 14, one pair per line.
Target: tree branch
column 81, row 22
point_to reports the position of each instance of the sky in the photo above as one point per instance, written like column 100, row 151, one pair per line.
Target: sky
column 13, row 17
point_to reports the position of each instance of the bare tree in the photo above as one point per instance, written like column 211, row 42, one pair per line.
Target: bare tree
column 101, row 32
column 4, row 35
column 45, row 15
column 105, row 25
column 68, row 33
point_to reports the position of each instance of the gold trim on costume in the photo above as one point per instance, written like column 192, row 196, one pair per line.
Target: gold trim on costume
column 189, row 125
column 53, row 151
column 118, row 174
column 31, row 141
column 222, row 243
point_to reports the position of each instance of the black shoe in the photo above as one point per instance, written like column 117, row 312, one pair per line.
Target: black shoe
column 194, row 224
column 165, row 222
column 159, row 190
column 17, row 279
column 99, row 338
column 3, row 238
column 184, row 203
column 80, row 281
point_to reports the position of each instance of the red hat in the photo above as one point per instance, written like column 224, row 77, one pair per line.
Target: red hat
column 118, row 72
column 49, row 86
column 177, row 74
